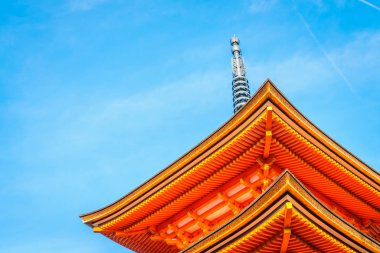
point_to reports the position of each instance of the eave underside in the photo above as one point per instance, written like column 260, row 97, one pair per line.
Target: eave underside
column 292, row 221
column 310, row 224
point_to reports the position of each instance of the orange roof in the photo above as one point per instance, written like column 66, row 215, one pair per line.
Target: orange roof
column 227, row 171
column 287, row 217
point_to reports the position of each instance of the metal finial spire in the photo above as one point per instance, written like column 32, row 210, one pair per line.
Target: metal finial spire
column 240, row 87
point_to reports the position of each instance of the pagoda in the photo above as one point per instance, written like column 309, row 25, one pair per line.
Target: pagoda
column 268, row 180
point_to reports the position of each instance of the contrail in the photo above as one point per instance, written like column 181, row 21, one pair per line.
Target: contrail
column 328, row 57
column 370, row 4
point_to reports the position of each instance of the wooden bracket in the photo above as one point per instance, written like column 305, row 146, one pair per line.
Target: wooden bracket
column 200, row 222
column 230, row 203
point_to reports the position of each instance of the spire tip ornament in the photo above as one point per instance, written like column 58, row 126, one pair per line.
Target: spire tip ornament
column 240, row 87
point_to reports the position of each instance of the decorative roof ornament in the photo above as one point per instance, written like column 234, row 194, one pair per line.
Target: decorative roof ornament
column 240, row 87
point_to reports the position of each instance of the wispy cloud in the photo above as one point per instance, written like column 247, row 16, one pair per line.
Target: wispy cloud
column 324, row 52
column 60, row 149
column 361, row 54
column 84, row 5
column 258, row 6
column 58, row 245
column 370, row 4
column 298, row 72
column 86, row 127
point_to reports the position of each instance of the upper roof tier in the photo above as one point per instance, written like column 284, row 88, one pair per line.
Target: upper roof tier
column 233, row 166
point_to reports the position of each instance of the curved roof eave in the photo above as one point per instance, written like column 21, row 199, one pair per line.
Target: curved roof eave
column 268, row 91
column 286, row 188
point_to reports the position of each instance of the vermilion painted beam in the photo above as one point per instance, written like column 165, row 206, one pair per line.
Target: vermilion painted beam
column 158, row 237
column 285, row 240
column 129, row 233
column 201, row 219
column 287, row 231
column 230, row 203
column 288, row 214
column 200, row 222
column 268, row 125
column 233, row 197
column 268, row 132
column 174, row 242
column 208, row 198
column 251, row 186
column 180, row 234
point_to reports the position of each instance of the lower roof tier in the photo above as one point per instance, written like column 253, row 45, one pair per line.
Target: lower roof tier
column 286, row 218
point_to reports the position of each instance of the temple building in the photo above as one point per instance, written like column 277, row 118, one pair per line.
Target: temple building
column 268, row 180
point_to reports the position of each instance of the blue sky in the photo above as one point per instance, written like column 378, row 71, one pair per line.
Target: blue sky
column 96, row 96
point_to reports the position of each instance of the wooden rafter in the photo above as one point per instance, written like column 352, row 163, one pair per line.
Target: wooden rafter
column 298, row 160
column 267, row 244
column 208, row 198
column 307, row 245
column 129, row 233
column 206, row 226
column 228, row 167
column 158, row 237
